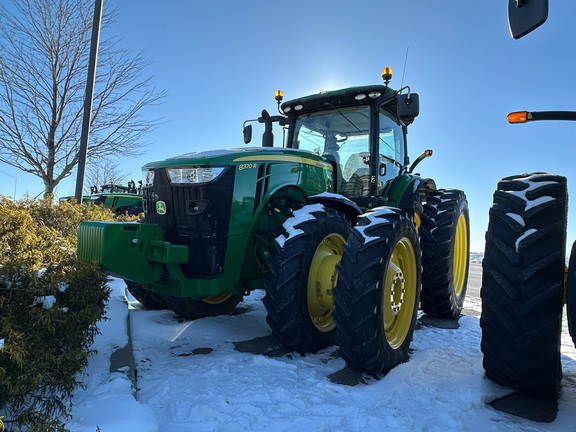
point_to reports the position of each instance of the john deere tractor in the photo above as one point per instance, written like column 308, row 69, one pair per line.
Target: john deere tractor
column 121, row 199
column 335, row 225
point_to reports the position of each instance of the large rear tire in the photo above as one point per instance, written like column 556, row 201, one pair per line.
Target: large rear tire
column 147, row 298
column 302, row 276
column 378, row 291
column 445, row 242
column 522, row 283
column 219, row 304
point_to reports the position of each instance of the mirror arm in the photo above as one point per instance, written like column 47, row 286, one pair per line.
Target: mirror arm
column 404, row 88
column 552, row 115
column 424, row 155
column 396, row 94
column 248, row 121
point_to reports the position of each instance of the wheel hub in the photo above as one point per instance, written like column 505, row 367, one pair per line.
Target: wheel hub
column 397, row 288
column 399, row 293
column 326, row 281
column 322, row 279
column 217, row 299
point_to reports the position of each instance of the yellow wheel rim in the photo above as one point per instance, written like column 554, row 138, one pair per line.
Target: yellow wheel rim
column 217, row 299
column 400, row 285
column 460, row 255
column 417, row 221
column 322, row 280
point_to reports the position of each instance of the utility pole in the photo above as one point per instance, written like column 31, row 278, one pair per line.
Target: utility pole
column 88, row 100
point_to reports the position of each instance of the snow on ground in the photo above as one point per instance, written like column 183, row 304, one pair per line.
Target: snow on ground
column 199, row 376
column 107, row 400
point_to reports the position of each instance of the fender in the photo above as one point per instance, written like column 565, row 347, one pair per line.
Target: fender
column 337, row 202
column 408, row 192
column 415, row 194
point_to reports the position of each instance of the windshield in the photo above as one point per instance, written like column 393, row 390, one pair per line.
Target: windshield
column 340, row 135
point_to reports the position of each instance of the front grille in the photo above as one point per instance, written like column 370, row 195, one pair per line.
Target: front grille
column 100, row 200
column 197, row 216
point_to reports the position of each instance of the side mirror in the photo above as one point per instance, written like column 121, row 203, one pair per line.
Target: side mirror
column 247, row 133
column 526, row 15
column 408, row 107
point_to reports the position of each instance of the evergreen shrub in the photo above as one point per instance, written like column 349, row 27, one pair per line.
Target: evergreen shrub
column 50, row 304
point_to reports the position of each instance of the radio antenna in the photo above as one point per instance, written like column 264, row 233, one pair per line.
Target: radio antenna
column 405, row 61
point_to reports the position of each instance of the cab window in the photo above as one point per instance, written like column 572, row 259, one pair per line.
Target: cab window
column 391, row 148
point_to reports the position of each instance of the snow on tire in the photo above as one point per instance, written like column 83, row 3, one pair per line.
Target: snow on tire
column 445, row 239
column 378, row 291
column 301, row 278
column 522, row 283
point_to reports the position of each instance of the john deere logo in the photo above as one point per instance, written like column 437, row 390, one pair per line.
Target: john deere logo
column 161, row 207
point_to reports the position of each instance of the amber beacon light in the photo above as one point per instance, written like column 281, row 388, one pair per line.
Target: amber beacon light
column 279, row 96
column 387, row 74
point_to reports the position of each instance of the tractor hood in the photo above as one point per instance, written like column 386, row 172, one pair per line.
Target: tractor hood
column 242, row 156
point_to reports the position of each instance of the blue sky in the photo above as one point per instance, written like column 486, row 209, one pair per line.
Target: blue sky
column 221, row 62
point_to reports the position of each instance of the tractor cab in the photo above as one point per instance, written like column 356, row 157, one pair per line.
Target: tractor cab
column 361, row 131
column 362, row 137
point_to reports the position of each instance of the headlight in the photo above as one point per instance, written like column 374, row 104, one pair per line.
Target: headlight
column 148, row 177
column 193, row 175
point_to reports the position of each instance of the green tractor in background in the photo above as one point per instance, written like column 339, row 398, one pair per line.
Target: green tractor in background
column 345, row 238
column 121, row 199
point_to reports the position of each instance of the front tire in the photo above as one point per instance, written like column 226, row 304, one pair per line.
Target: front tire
column 445, row 241
column 147, row 298
column 190, row 308
column 301, row 278
column 522, row 283
column 378, row 291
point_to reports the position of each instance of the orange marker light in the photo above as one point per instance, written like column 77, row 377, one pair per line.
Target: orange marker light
column 279, row 96
column 387, row 74
column 518, row 117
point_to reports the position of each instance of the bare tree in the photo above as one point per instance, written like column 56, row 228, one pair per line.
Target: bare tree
column 103, row 171
column 44, row 49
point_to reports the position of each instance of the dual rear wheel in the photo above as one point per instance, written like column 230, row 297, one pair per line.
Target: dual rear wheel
column 388, row 263
column 445, row 238
column 378, row 291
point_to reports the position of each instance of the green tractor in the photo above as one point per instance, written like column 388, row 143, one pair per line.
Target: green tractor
column 121, row 199
column 345, row 238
